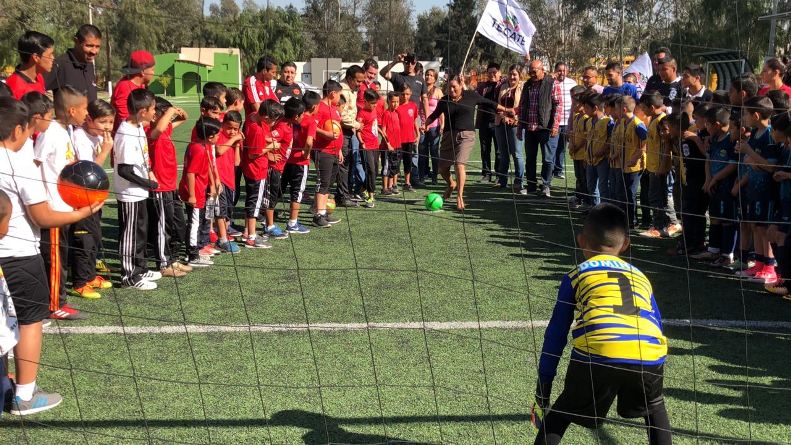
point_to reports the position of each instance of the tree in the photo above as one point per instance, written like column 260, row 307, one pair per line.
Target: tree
column 458, row 28
column 388, row 27
column 334, row 28
column 427, row 36
column 225, row 10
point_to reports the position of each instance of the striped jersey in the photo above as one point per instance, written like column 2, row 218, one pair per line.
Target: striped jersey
column 614, row 315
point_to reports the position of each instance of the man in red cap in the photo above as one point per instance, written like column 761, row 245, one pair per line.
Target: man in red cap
column 138, row 73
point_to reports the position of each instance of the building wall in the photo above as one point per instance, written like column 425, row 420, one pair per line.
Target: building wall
column 186, row 78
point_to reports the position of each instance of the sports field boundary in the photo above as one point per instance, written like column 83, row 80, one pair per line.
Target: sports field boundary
column 741, row 325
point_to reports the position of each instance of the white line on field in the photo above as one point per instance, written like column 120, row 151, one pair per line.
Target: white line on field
column 433, row 325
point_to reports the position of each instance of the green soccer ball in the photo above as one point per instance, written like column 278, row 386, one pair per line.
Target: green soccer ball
column 434, row 202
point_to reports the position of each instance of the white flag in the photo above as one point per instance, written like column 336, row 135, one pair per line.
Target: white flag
column 505, row 23
column 642, row 68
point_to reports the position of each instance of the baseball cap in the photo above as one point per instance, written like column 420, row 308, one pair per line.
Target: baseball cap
column 138, row 61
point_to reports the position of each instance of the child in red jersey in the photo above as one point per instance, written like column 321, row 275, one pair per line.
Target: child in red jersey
column 209, row 107
column 195, row 181
column 368, row 134
column 329, row 142
column 295, row 174
column 258, row 143
column 229, row 143
column 391, row 125
column 36, row 56
column 283, row 134
column 167, row 232
column 410, row 133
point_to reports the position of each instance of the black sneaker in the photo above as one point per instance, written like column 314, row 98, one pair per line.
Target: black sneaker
column 415, row 184
column 407, row 187
column 358, row 198
column 331, row 219
column 347, row 203
column 320, row 221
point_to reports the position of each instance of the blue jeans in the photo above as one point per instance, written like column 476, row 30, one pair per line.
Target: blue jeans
column 533, row 141
column 429, row 150
column 597, row 176
column 559, row 143
column 357, row 172
column 510, row 148
column 612, row 186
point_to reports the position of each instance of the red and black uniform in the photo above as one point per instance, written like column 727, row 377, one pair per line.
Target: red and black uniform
column 255, row 168
column 407, row 114
column 328, row 150
column 295, row 173
column 391, row 126
column 20, row 84
column 167, row 229
column 283, row 133
column 226, row 169
column 196, row 161
column 369, row 134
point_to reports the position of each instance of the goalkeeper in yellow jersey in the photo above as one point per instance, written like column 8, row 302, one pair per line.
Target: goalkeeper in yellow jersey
column 618, row 348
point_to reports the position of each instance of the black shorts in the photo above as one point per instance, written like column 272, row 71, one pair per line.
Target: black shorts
column 275, row 191
column 226, row 199
column 723, row 206
column 390, row 163
column 759, row 211
column 295, row 177
column 326, row 171
column 27, row 281
column 407, row 151
column 257, row 197
column 591, row 388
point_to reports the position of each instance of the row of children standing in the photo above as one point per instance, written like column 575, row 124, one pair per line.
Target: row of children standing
column 727, row 157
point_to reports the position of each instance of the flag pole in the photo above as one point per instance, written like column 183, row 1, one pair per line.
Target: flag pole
column 469, row 48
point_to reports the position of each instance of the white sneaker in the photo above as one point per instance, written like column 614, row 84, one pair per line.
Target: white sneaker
column 144, row 285
column 202, row 261
column 152, row 275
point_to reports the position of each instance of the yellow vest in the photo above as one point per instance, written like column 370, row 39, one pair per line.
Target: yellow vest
column 581, row 122
column 616, row 145
column 597, row 141
column 631, row 145
column 654, row 144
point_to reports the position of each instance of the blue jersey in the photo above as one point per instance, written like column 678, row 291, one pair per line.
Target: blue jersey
column 615, row 316
column 721, row 155
column 760, row 184
column 784, row 190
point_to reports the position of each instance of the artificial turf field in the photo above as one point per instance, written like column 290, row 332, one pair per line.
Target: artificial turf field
column 247, row 372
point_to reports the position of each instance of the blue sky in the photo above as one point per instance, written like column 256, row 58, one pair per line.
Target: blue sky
column 420, row 5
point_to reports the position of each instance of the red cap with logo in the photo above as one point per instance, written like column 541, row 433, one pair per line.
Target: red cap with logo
column 138, row 61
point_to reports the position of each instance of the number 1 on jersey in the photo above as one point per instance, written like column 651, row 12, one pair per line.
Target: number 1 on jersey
column 627, row 306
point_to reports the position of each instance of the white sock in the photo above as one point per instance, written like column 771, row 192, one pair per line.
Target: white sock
column 322, row 212
column 292, row 222
column 270, row 227
column 223, row 240
column 25, row 392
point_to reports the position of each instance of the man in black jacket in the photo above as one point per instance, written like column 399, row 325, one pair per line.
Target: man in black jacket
column 541, row 108
column 76, row 67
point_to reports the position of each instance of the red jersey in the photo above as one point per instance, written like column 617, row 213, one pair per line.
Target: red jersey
column 325, row 113
column 163, row 159
column 196, row 161
column 391, row 126
column 361, row 93
column 120, row 96
column 194, row 135
column 20, row 84
column 305, row 129
column 256, row 91
column 283, row 133
column 254, row 143
column 369, row 128
column 762, row 92
column 407, row 114
column 225, row 162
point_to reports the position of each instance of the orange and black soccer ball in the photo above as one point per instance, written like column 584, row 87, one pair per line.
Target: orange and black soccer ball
column 83, row 183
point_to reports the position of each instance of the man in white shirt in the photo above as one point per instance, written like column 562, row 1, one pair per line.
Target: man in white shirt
column 559, row 141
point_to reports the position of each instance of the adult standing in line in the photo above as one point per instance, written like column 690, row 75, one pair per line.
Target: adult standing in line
column 653, row 82
column 419, row 93
column 615, row 84
column 560, row 141
column 349, row 184
column 772, row 77
column 692, row 81
column 508, row 95
column 286, row 85
column 429, row 146
column 485, row 121
column 539, row 120
column 590, row 78
column 77, row 66
column 257, row 88
column 670, row 87
column 458, row 139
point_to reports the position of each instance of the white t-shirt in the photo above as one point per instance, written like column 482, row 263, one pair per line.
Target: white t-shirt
column 130, row 146
column 54, row 150
column 21, row 180
column 86, row 146
column 565, row 89
column 27, row 149
column 9, row 326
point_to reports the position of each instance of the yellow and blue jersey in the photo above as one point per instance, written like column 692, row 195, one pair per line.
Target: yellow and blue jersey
column 614, row 314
